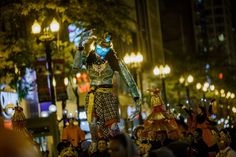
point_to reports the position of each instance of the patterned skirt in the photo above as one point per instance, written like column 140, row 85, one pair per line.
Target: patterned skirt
column 105, row 108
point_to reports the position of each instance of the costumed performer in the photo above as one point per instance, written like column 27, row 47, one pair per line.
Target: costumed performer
column 160, row 126
column 101, row 103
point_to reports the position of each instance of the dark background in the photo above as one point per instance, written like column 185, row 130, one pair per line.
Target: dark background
column 233, row 7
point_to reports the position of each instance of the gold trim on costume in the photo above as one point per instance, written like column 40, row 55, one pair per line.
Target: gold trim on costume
column 91, row 100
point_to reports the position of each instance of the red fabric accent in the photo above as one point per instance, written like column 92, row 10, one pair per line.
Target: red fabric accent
column 8, row 124
column 158, row 108
column 110, row 122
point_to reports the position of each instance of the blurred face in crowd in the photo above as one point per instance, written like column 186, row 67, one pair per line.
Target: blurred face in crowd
column 160, row 136
column 223, row 140
column 68, row 153
column 190, row 138
column 224, row 137
column 199, row 110
column 139, row 133
column 117, row 149
column 152, row 135
column 71, row 121
column 221, row 144
column 102, row 145
column 196, row 134
column 173, row 135
column 144, row 148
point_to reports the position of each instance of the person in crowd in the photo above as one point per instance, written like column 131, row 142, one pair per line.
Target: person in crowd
column 102, row 148
column 84, row 151
column 14, row 144
column 161, row 152
column 154, row 138
column 138, row 135
column 214, row 149
column 45, row 153
column 190, row 138
column 179, row 149
column 62, row 145
column 202, row 121
column 144, row 148
column 232, row 133
column 170, row 137
column 73, row 134
column 121, row 145
column 182, row 136
column 207, row 125
column 224, row 141
column 69, row 152
column 199, row 146
column 160, row 126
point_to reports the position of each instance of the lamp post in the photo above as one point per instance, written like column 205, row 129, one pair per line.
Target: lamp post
column 199, row 86
column 75, row 89
column 134, row 61
column 162, row 71
column 187, row 82
column 234, row 113
column 47, row 36
column 206, row 87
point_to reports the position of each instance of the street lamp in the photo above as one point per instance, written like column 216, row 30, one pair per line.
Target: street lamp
column 46, row 35
column 162, row 71
column 134, row 62
column 206, row 87
column 187, row 82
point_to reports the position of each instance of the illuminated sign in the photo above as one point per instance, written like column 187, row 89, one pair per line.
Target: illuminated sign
column 8, row 101
column 84, row 125
column 82, row 115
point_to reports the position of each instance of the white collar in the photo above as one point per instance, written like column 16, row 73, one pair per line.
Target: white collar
column 226, row 149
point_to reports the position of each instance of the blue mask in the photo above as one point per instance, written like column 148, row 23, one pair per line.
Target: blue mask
column 101, row 51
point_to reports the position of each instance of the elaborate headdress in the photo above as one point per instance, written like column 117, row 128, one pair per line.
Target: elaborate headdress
column 103, row 45
column 105, row 41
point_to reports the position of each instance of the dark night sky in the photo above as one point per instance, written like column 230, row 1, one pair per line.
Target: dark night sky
column 233, row 7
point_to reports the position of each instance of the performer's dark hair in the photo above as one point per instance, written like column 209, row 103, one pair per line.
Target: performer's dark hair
column 127, row 143
column 121, row 138
column 201, row 117
column 102, row 139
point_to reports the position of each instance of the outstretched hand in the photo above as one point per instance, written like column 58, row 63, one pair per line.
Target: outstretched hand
column 137, row 111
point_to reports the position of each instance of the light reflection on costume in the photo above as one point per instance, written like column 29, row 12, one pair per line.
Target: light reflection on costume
column 101, row 103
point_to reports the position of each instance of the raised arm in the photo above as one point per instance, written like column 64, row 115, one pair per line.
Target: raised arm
column 79, row 60
column 82, row 52
column 132, row 86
